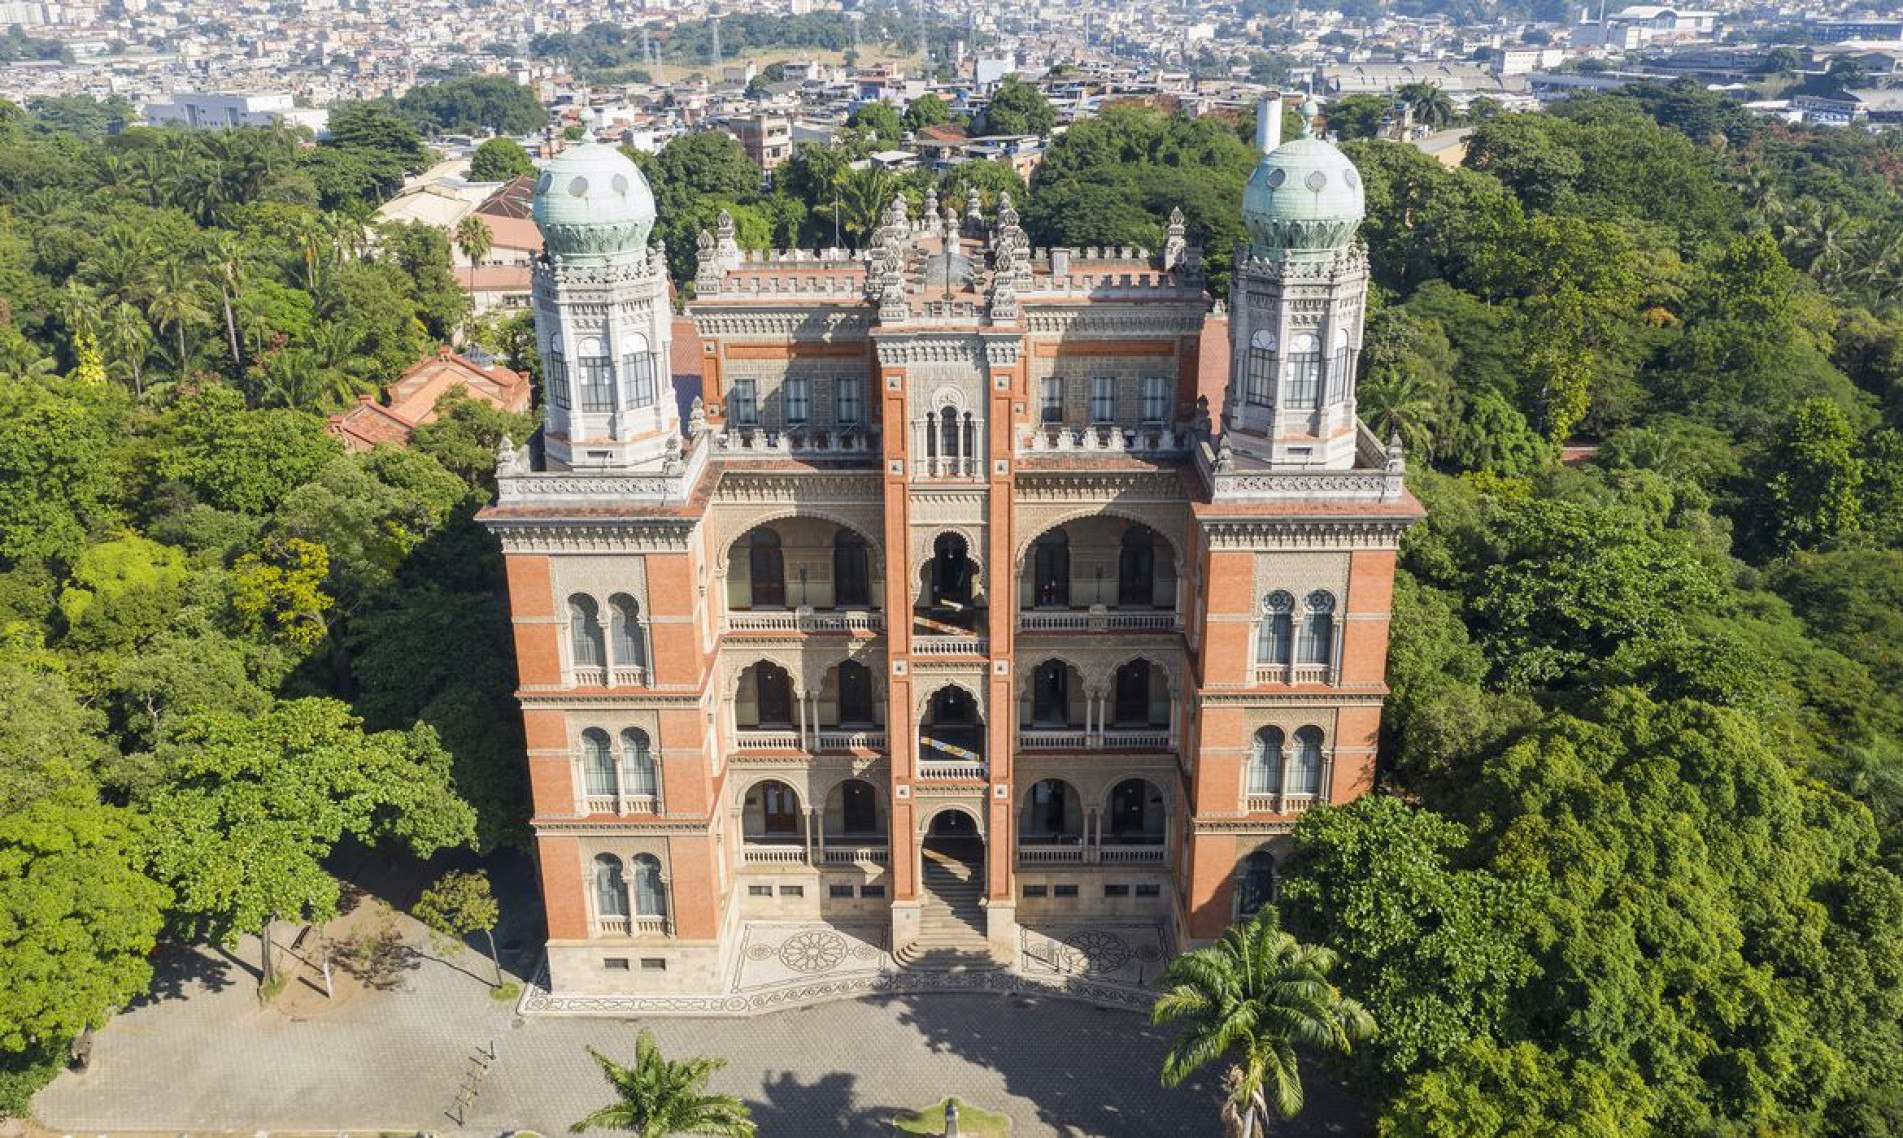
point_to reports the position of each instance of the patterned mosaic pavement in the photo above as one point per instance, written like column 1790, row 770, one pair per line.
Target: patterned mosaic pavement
column 788, row 964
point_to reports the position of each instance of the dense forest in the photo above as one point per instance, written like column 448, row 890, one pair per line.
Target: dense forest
column 225, row 644
column 1636, row 866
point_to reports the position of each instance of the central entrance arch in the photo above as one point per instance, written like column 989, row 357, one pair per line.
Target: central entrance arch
column 952, row 873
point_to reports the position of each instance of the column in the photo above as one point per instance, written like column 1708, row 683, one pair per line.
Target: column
column 799, row 704
column 1288, row 767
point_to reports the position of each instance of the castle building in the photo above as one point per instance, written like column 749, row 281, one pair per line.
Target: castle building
column 979, row 586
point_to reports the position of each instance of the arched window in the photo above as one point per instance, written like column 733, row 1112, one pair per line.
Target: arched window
column 951, row 571
column 584, row 632
column 1318, row 628
column 852, row 576
column 1265, row 762
column 766, row 570
column 630, row 647
column 773, row 689
column 779, row 808
column 1275, row 639
column 1340, row 366
column 1305, row 776
column 638, row 759
column 1136, row 812
column 555, row 371
column 1304, row 384
column 611, row 888
column 859, row 807
column 948, row 432
column 1258, row 884
column 1135, row 702
column 637, row 371
column 1053, row 811
column 650, row 894
column 1136, row 568
column 595, row 375
column 855, row 695
column 1050, row 570
column 597, row 764
column 1258, row 387
column 1050, row 694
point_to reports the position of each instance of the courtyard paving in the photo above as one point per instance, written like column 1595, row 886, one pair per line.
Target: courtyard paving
column 202, row 1056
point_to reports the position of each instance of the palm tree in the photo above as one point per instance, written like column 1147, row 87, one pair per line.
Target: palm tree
column 659, row 1096
column 226, row 256
column 1250, row 998
column 862, row 198
column 21, row 359
column 128, row 340
column 472, row 236
column 174, row 303
column 1431, row 106
column 1397, row 401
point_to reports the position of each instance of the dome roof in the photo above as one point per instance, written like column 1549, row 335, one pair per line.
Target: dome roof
column 592, row 202
column 1304, row 197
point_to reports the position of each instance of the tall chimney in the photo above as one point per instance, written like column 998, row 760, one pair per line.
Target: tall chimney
column 1268, row 123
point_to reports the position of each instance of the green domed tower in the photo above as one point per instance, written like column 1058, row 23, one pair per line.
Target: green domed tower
column 601, row 316
column 1297, row 300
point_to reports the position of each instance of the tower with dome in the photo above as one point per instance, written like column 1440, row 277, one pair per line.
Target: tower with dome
column 977, row 594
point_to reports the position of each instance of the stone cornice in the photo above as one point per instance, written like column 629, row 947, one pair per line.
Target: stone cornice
column 780, row 322
column 993, row 350
column 566, row 535
column 586, row 827
column 1256, row 697
column 607, row 700
column 1305, row 533
column 799, row 486
column 1240, row 826
column 1138, row 322
column 1076, row 485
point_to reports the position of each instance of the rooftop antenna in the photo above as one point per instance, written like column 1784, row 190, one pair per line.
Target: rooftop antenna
column 716, row 18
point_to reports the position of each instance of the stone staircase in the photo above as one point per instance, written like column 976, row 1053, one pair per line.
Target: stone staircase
column 952, row 922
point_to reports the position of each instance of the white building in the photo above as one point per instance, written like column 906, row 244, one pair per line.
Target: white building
column 220, row 112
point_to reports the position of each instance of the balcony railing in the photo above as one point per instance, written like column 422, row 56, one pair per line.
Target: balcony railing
column 621, row 804
column 630, row 677
column 1050, row 855
column 611, row 926
column 1137, row 738
column 942, row 769
column 1131, row 855
column 773, row 854
column 806, row 620
column 851, row 739
column 650, row 926
column 1294, row 674
column 1281, row 803
column 1053, row 739
column 948, row 646
column 768, row 739
column 590, row 677
column 1096, row 620
column 858, row 854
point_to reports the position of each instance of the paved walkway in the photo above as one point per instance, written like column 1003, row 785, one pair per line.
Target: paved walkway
column 202, row 1056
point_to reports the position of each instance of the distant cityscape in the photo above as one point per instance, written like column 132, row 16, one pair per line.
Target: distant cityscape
column 252, row 62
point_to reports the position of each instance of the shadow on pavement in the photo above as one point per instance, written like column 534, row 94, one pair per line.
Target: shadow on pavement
column 822, row 1109
column 180, row 970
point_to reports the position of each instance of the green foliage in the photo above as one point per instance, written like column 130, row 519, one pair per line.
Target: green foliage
column 1817, row 478
column 1358, row 116
column 64, row 469
column 251, row 805
column 456, row 906
column 658, row 1096
column 80, row 919
column 1248, row 999
column 234, row 459
column 879, row 120
column 498, row 160
column 470, row 103
column 1434, row 953
column 1017, row 107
